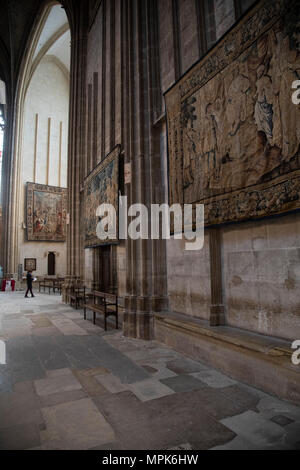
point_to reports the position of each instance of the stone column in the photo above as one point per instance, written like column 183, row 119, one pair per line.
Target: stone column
column 146, row 287
column 217, row 309
column 77, row 12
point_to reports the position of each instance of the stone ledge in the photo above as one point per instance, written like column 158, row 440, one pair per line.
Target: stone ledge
column 261, row 361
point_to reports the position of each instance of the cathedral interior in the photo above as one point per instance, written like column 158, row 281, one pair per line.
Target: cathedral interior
column 116, row 115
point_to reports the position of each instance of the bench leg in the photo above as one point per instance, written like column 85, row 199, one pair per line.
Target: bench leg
column 94, row 318
column 84, row 313
column 117, row 323
column 105, row 327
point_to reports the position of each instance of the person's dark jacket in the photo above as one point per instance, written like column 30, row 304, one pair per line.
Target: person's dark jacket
column 29, row 279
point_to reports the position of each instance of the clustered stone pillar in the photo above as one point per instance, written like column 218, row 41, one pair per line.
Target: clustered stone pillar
column 217, row 309
column 77, row 12
column 145, row 259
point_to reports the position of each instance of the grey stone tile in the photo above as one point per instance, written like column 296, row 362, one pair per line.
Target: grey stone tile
column 111, row 383
column 120, row 365
column 50, row 353
column 67, row 326
column 77, row 352
column 62, row 397
column 214, row 379
column 64, row 382
column 281, row 420
column 5, row 380
column 218, row 404
column 183, row 383
column 49, row 307
column 20, row 437
column 20, row 406
column 45, row 331
column 22, row 360
column 253, row 428
column 184, row 365
column 242, row 396
column 237, row 443
column 163, row 423
column 40, row 321
column 270, row 406
column 185, row 446
column 109, row 446
column 158, row 370
column 90, row 385
column 161, row 355
column 150, row 389
column 76, row 425
column 292, row 440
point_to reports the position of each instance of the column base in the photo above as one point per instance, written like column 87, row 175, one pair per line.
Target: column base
column 138, row 318
column 138, row 325
column 217, row 315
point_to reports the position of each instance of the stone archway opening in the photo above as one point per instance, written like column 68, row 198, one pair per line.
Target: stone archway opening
column 41, row 145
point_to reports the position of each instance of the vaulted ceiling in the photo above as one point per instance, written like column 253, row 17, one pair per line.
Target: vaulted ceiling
column 17, row 18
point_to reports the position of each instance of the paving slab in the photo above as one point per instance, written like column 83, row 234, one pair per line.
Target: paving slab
column 111, row 383
column 20, row 437
column 112, row 359
column 160, row 424
column 67, row 326
column 78, row 355
column 58, row 383
column 214, row 379
column 184, row 365
column 76, row 425
column 20, row 406
column 256, row 430
column 158, row 370
column 150, row 389
column 89, row 384
column 40, row 321
column 50, row 353
column 45, row 331
column 182, row 383
column 61, row 397
column 22, row 360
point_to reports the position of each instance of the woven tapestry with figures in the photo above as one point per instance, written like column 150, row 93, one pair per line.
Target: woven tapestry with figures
column 101, row 187
column 46, row 212
column 233, row 129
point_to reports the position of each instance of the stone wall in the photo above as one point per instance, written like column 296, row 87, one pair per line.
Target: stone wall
column 261, row 262
column 47, row 97
column 134, row 54
column 260, row 259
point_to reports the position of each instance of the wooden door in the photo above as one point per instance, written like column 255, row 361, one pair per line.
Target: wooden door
column 51, row 264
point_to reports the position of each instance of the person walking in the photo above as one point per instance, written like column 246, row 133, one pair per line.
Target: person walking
column 29, row 279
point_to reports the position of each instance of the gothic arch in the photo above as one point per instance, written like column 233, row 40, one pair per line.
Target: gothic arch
column 27, row 68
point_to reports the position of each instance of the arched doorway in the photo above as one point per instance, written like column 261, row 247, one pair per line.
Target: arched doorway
column 51, row 264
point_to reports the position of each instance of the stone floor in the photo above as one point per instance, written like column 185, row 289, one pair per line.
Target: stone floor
column 68, row 384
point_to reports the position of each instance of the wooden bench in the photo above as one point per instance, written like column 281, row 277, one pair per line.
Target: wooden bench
column 57, row 284
column 76, row 295
column 46, row 283
column 103, row 303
